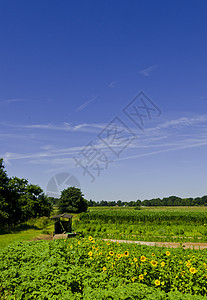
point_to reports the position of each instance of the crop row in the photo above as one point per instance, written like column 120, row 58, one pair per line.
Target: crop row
column 145, row 216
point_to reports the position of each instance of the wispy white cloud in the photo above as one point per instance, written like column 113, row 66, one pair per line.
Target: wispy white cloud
column 178, row 134
column 8, row 101
column 90, row 127
column 112, row 84
column 147, row 71
column 86, row 103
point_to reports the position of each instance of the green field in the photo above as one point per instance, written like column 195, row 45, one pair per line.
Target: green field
column 33, row 229
column 89, row 268
column 169, row 224
column 92, row 269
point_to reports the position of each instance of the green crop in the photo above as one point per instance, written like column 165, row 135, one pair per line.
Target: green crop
column 93, row 269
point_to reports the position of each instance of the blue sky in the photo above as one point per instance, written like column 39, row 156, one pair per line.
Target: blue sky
column 69, row 73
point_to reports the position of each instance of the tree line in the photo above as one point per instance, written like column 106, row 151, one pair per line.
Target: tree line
column 20, row 200
column 167, row 201
column 176, row 201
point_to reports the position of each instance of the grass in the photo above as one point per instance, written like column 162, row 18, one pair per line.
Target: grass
column 34, row 228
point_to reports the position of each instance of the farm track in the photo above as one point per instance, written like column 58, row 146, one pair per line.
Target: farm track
column 186, row 245
column 196, row 246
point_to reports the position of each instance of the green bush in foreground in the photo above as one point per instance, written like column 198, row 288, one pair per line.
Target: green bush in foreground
column 90, row 269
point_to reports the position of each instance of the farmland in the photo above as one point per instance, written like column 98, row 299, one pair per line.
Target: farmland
column 90, row 268
column 149, row 224
column 93, row 269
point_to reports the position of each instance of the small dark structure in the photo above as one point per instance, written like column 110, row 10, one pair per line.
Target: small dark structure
column 63, row 227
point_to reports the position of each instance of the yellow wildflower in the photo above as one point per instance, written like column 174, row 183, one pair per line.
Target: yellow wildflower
column 157, row 282
column 141, row 277
column 162, row 264
column 154, row 263
column 143, row 258
column 126, row 253
column 168, row 253
column 193, row 270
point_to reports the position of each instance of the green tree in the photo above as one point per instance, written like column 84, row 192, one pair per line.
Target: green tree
column 4, row 196
column 72, row 200
column 20, row 201
column 28, row 200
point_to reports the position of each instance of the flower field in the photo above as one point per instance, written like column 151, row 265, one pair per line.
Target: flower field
column 93, row 269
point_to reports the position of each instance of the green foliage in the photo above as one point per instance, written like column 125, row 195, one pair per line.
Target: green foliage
column 166, row 217
column 92, row 269
column 19, row 200
column 72, row 200
column 160, row 225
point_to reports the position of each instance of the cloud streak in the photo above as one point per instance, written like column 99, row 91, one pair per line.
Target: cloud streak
column 85, row 104
column 147, row 71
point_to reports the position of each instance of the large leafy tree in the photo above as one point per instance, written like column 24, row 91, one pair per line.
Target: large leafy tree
column 4, row 205
column 19, row 200
column 72, row 200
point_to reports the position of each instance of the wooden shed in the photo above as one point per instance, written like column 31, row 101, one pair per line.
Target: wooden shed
column 63, row 226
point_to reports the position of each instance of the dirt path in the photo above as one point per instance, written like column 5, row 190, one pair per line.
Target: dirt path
column 163, row 244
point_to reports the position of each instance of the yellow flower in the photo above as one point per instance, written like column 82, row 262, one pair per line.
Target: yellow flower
column 133, row 279
column 71, row 247
column 90, row 253
column 182, row 273
column 111, row 253
column 91, row 257
column 157, row 282
column 153, row 254
column 93, row 247
column 92, row 241
column 100, row 253
column 154, row 263
column 118, row 255
column 90, row 238
column 162, row 264
column 108, row 243
column 141, row 277
column 126, row 253
column 135, row 259
column 168, row 253
column 143, row 258
column 104, row 269
column 79, row 242
column 145, row 273
column 193, row 270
